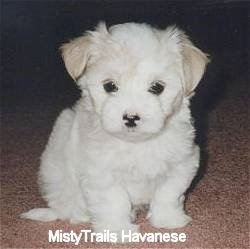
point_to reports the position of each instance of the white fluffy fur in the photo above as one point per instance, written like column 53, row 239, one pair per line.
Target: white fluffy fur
column 96, row 169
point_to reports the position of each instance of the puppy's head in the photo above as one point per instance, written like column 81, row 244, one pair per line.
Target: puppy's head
column 136, row 77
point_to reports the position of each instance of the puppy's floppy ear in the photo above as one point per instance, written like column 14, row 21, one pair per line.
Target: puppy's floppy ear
column 77, row 52
column 75, row 55
column 194, row 64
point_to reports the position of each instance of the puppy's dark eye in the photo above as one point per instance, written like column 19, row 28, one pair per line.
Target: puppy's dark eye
column 110, row 86
column 157, row 87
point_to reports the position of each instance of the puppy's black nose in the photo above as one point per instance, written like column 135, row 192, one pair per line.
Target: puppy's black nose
column 130, row 119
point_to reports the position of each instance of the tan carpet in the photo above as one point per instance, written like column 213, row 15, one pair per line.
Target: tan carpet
column 218, row 204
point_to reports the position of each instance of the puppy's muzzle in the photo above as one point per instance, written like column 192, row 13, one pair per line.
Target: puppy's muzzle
column 130, row 120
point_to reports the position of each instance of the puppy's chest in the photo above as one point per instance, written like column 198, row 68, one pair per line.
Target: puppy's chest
column 139, row 163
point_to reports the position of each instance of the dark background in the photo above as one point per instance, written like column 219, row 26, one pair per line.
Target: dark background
column 32, row 31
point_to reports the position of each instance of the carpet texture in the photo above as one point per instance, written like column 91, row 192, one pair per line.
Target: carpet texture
column 218, row 203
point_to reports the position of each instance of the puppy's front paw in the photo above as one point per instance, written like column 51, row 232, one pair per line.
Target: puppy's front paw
column 170, row 219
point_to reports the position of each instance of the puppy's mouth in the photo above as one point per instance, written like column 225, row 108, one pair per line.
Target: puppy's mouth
column 132, row 134
column 132, row 129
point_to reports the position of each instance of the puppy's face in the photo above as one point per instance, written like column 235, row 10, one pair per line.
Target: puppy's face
column 133, row 96
column 136, row 77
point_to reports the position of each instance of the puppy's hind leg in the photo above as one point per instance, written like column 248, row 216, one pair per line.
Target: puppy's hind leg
column 40, row 214
column 64, row 208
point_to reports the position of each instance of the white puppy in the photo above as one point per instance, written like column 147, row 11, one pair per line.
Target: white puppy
column 129, row 140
